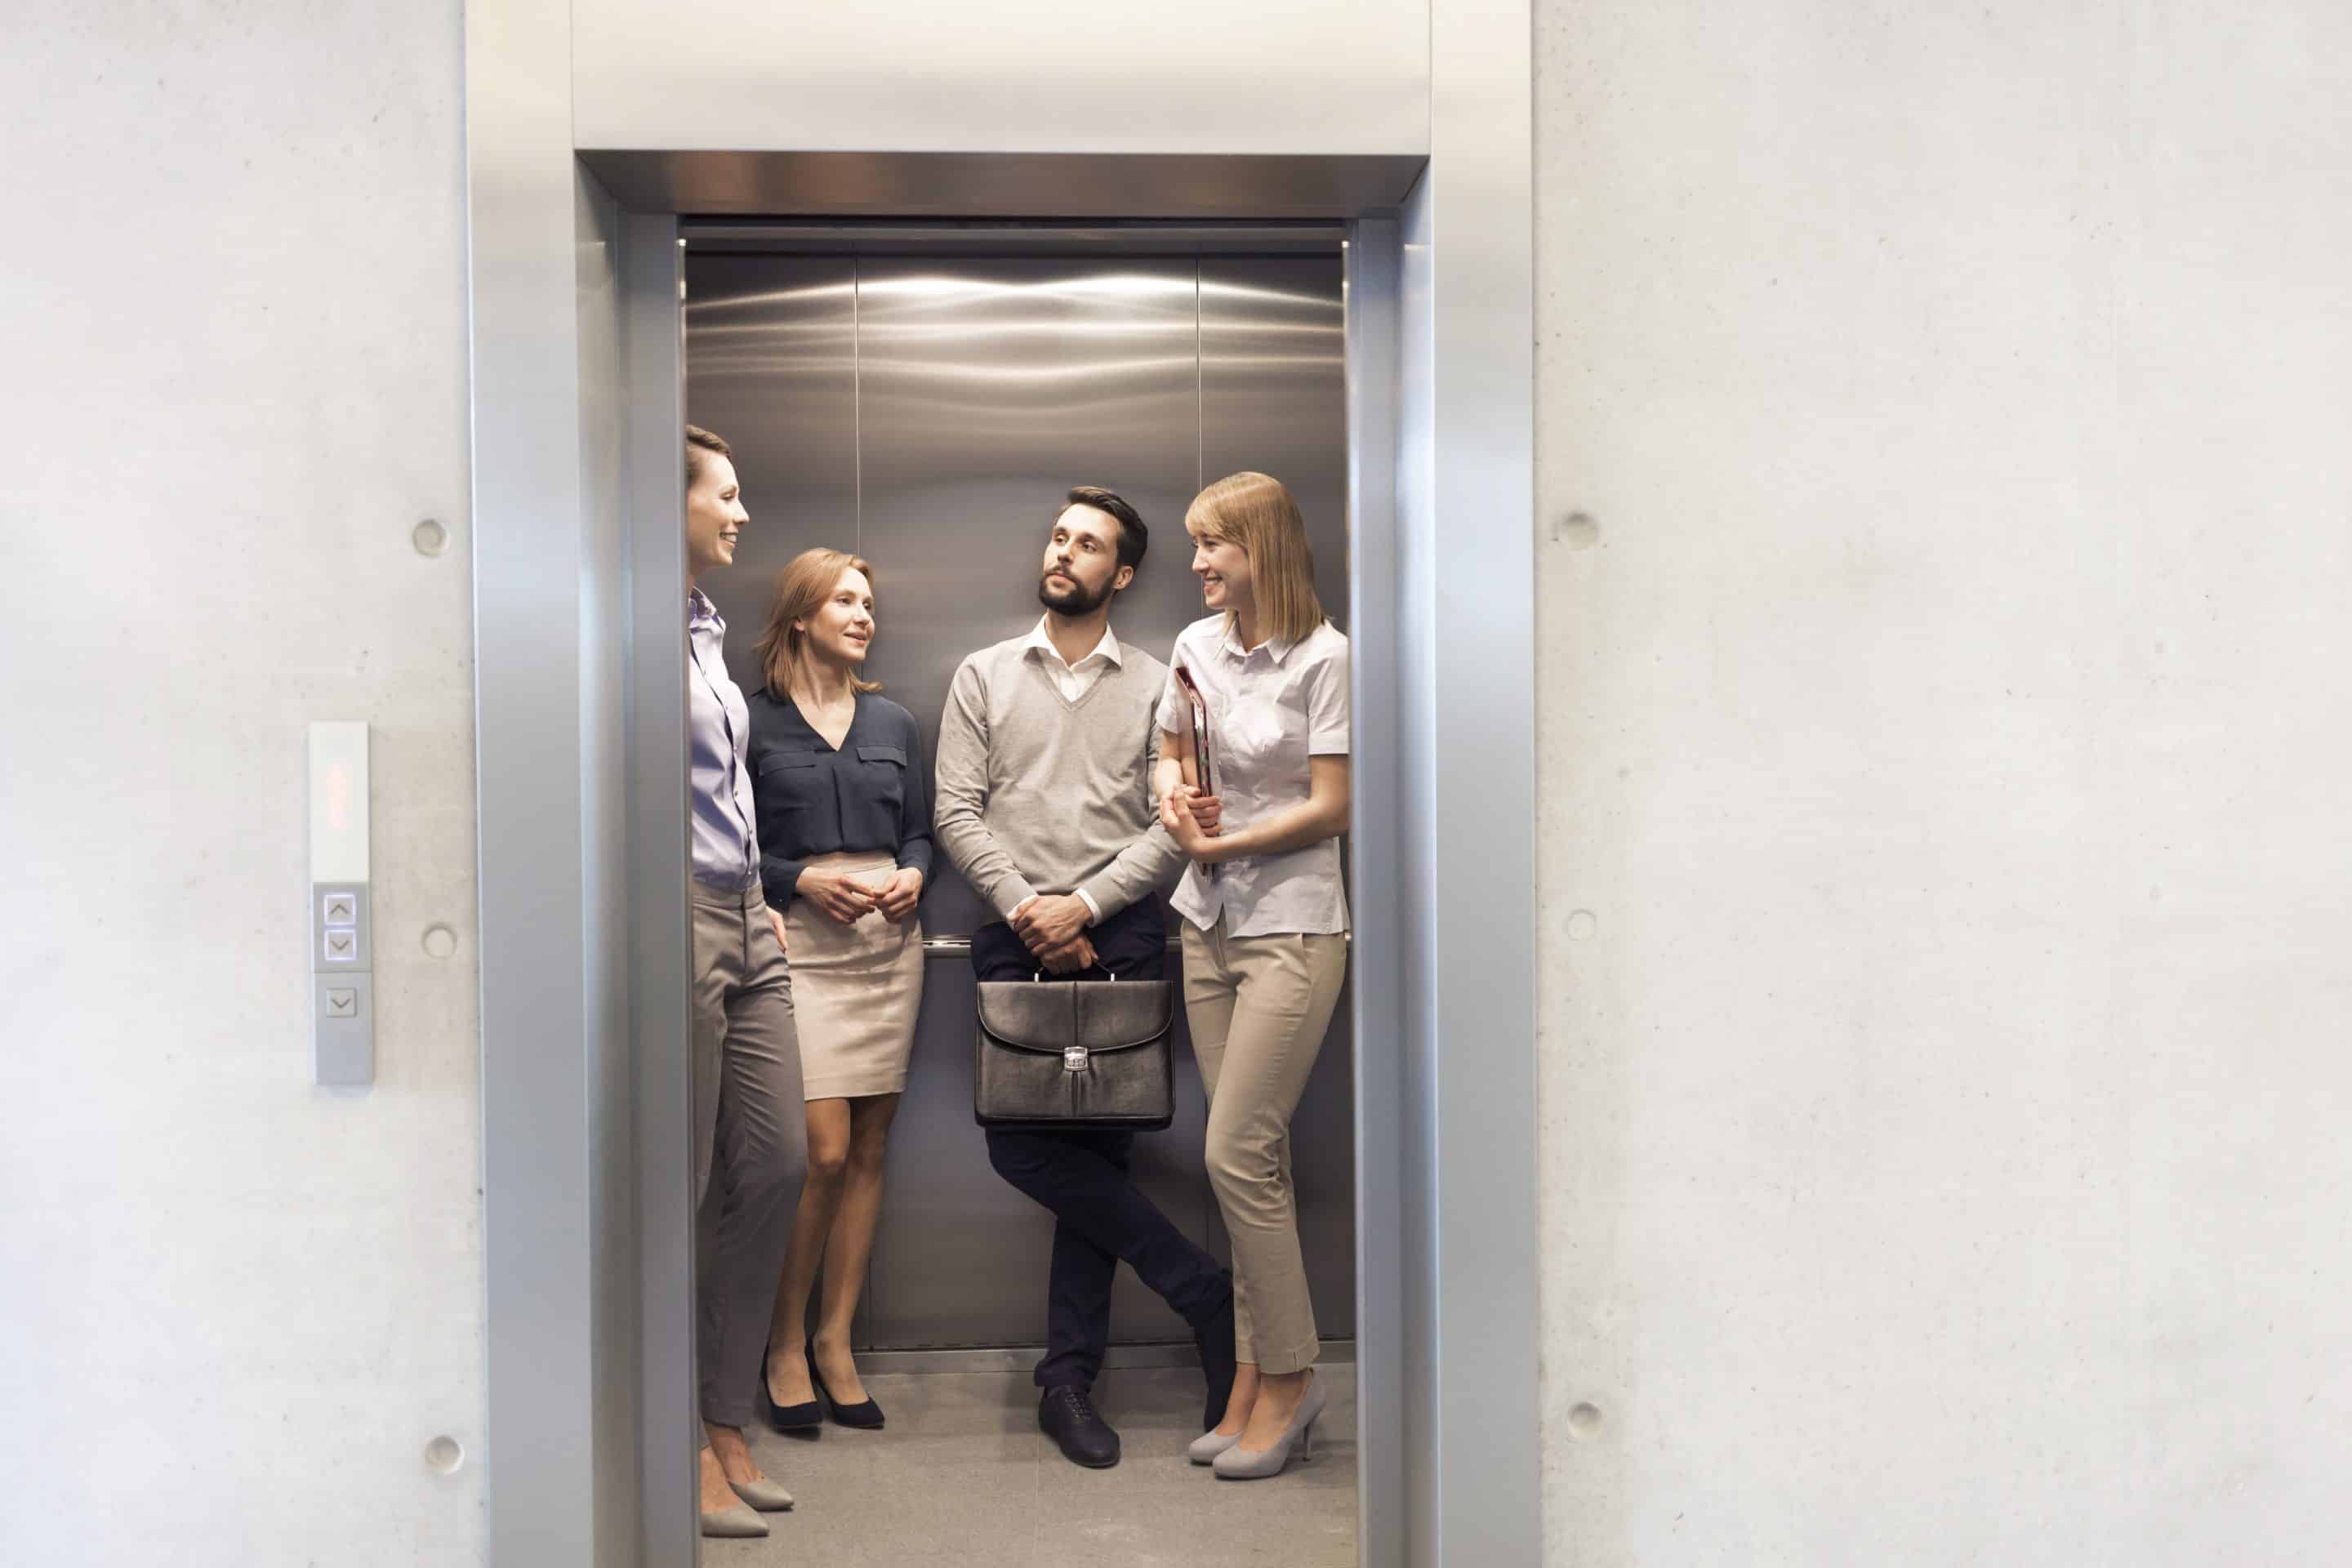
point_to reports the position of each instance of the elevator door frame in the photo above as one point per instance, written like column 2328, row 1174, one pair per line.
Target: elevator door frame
column 1401, row 1439
column 578, row 649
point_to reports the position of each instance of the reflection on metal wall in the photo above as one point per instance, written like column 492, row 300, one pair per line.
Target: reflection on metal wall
column 1274, row 398
column 928, row 414
column 771, row 368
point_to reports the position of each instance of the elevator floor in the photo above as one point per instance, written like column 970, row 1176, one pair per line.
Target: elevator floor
column 961, row 1476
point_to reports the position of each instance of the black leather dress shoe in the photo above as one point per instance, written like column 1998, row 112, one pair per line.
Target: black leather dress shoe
column 1214, row 1339
column 1068, row 1417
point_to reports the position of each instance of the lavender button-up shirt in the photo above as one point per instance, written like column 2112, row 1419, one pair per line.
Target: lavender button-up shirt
column 719, row 728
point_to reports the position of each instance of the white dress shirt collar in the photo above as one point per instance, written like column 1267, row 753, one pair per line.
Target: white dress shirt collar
column 1108, row 648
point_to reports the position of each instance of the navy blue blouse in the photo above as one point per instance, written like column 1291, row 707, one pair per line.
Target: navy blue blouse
column 872, row 793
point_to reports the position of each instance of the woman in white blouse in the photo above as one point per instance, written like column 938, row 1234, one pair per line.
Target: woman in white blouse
column 1253, row 785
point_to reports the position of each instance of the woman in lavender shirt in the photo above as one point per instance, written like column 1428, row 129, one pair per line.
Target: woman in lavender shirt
column 751, row 1142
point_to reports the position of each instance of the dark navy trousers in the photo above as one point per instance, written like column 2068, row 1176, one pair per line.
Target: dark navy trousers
column 1100, row 1216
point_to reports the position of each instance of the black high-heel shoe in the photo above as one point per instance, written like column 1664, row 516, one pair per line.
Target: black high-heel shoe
column 865, row 1415
column 808, row 1415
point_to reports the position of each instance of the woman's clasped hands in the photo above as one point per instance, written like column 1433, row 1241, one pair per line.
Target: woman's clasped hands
column 848, row 900
column 1194, row 820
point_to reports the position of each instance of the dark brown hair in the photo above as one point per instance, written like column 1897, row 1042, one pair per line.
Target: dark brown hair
column 698, row 441
column 1133, row 537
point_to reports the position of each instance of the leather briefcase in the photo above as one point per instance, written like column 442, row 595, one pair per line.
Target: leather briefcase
column 1075, row 1055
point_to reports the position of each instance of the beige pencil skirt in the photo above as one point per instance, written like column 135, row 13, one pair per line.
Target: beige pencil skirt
column 856, row 989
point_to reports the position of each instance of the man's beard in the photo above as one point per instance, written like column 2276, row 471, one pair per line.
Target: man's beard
column 1073, row 601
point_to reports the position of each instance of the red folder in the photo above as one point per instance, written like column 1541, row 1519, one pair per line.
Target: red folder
column 1202, row 772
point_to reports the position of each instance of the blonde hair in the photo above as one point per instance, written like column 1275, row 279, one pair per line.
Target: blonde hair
column 801, row 588
column 1257, row 513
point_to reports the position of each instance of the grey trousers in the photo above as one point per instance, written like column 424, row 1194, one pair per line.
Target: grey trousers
column 751, row 1142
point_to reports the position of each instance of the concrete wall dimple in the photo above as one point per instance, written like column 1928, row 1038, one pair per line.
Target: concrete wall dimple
column 237, row 382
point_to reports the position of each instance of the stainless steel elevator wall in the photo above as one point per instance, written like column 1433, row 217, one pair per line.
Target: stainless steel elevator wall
column 928, row 414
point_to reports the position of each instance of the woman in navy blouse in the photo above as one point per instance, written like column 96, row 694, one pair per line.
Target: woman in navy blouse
column 845, row 823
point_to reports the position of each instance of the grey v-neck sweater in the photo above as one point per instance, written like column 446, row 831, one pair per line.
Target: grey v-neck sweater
column 1037, row 794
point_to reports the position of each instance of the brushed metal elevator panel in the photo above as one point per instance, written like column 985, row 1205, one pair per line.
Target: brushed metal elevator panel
column 1274, row 398
column 771, row 368
column 929, row 413
column 986, row 388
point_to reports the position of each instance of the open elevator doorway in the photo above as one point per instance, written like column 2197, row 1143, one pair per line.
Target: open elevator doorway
column 923, row 396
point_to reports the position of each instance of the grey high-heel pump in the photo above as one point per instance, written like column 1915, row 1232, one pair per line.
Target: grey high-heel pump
column 1238, row 1464
column 1209, row 1444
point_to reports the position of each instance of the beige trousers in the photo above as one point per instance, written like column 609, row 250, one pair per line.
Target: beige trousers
column 1258, row 1007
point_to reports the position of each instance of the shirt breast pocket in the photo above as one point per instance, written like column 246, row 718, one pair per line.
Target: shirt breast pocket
column 789, row 782
column 883, row 771
column 1262, row 732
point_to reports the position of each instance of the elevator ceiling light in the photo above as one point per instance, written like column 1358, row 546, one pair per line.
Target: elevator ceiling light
column 1094, row 286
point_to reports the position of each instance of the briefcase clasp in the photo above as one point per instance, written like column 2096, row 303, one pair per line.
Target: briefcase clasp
column 1073, row 1058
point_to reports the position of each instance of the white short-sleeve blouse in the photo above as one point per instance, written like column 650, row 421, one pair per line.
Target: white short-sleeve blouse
column 1270, row 709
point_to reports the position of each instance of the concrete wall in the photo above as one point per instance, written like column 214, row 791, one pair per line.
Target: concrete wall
column 236, row 1308
column 1944, row 710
